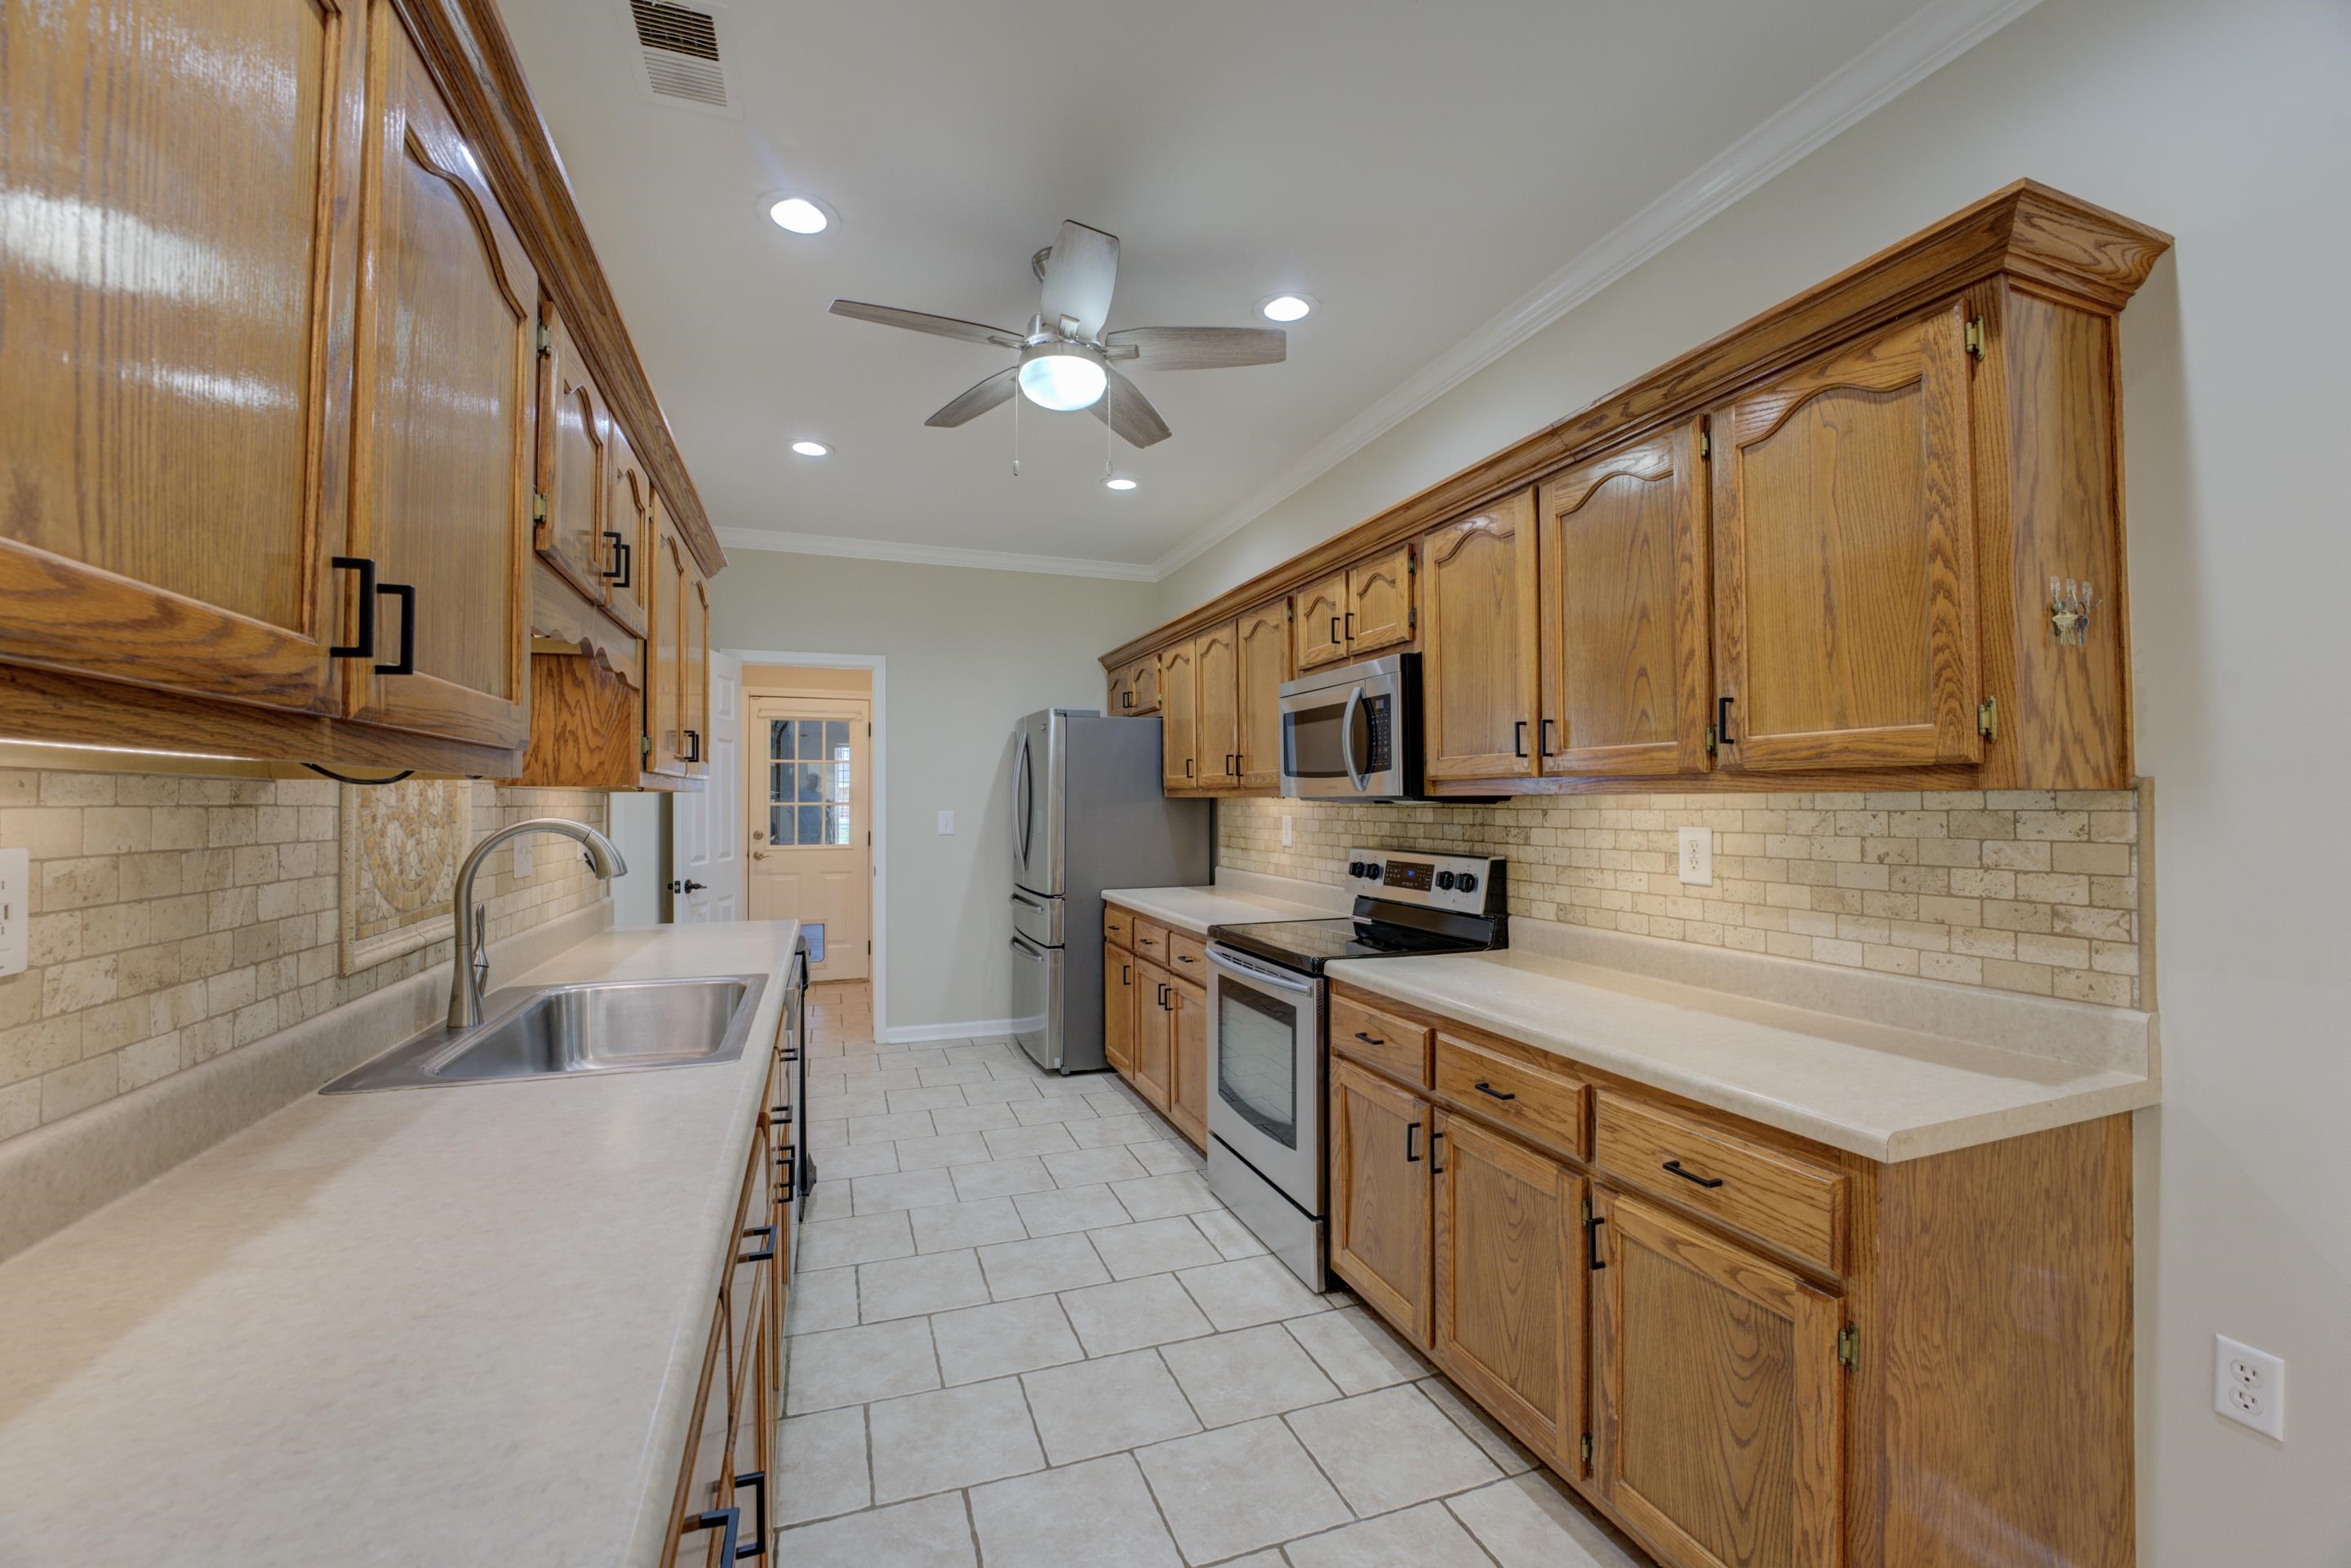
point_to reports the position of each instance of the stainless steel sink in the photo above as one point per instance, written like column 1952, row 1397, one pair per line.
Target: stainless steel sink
column 595, row 1027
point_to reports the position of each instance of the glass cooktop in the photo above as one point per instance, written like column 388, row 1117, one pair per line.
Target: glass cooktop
column 1308, row 945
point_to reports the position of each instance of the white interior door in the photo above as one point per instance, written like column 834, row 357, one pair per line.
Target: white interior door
column 807, row 777
column 706, row 825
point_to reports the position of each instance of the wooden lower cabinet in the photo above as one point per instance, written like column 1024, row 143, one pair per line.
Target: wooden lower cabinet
column 1380, row 1200
column 1118, row 1009
column 1188, row 1059
column 1719, row 1403
column 1155, row 1020
column 1507, row 1317
column 1153, row 1065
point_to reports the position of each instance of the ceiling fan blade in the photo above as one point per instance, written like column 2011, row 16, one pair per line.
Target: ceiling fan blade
column 1199, row 347
column 919, row 322
column 998, row 388
column 1079, row 277
column 1129, row 413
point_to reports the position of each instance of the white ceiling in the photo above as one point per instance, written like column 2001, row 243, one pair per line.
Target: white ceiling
column 1419, row 168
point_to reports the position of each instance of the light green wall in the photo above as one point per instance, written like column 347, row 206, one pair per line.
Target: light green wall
column 2226, row 125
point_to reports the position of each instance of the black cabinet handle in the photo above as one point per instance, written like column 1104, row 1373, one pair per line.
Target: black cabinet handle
column 758, row 1545
column 1487, row 1089
column 693, row 748
column 1542, row 737
column 1188, row 768
column 365, row 647
column 1369, row 1038
column 1335, row 637
column 782, row 1113
column 1518, row 737
column 1436, row 1135
column 406, row 593
column 1675, row 1166
column 1126, row 699
column 618, row 574
column 1163, row 999
column 1723, row 720
column 790, row 1160
column 1126, row 974
column 1411, row 1132
column 1184, row 957
column 1592, row 1243
column 1350, row 625
column 729, row 1519
column 765, row 1254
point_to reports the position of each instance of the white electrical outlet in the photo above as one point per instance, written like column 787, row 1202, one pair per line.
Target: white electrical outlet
column 1285, row 831
column 2249, row 1386
column 1697, row 862
column 521, row 857
column 15, row 891
column 946, row 822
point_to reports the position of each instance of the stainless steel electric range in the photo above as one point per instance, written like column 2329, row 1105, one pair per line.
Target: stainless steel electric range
column 1267, row 1005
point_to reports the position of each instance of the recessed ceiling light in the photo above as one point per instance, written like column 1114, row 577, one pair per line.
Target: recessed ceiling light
column 800, row 215
column 811, row 449
column 1285, row 308
column 1118, row 484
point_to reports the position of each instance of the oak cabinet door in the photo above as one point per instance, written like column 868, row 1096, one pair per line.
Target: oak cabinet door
column 1179, row 756
column 445, row 414
column 1478, row 666
column 575, row 463
column 1153, row 1010
column 1719, row 1412
column 1120, row 699
column 1118, row 1009
column 1265, row 664
column 1380, row 1218
column 1187, row 1065
column 627, row 559
column 1507, row 1317
column 1142, row 675
column 177, row 258
column 694, row 666
column 1845, row 557
column 1322, row 623
column 709, row 1478
column 1379, row 602
column 1626, row 666
column 1216, row 670
column 665, row 654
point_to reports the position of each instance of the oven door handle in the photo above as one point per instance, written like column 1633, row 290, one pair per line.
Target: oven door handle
column 1281, row 982
column 1355, row 776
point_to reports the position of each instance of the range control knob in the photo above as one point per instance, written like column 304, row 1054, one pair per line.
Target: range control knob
column 1467, row 882
column 1354, row 868
column 1444, row 880
column 1372, row 869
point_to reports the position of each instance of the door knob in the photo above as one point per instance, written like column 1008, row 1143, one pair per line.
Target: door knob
column 758, row 854
column 689, row 886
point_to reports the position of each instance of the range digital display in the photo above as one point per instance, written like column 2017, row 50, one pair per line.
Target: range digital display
column 1418, row 875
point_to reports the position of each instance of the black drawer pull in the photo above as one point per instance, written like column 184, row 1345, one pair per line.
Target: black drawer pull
column 1487, row 1089
column 790, row 1160
column 765, row 1254
column 365, row 647
column 1435, row 1137
column 1369, row 1038
column 758, row 1545
column 617, row 576
column 1184, row 957
column 1592, row 1243
column 729, row 1519
column 1675, row 1166
column 1411, row 1132
column 406, row 663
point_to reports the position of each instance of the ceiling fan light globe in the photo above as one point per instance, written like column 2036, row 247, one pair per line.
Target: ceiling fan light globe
column 1063, row 377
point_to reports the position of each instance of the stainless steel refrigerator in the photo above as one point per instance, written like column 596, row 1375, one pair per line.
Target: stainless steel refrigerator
column 1087, row 812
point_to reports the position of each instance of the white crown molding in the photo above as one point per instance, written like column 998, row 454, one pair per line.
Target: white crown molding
column 1914, row 50
column 933, row 555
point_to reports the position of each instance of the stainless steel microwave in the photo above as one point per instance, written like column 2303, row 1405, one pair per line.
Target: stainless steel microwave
column 1354, row 732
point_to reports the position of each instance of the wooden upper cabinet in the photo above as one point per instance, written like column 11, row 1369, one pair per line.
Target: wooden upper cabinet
column 1179, row 757
column 1264, row 640
column 1626, row 687
column 1380, row 1215
column 1215, row 673
column 628, row 513
column 1508, row 1319
column 1718, row 1413
column 1379, row 601
column 1142, row 678
column 1119, row 691
column 1478, row 673
column 665, row 723
column 447, row 371
column 174, row 341
column 1845, row 557
column 575, row 463
column 1322, row 623
column 694, row 666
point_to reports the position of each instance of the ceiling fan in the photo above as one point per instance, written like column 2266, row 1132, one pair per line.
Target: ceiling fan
column 1067, row 362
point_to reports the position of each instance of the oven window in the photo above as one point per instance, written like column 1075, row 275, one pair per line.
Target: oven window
column 1257, row 1058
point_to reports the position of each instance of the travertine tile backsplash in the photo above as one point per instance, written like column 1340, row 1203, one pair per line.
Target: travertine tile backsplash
column 178, row 917
column 2022, row 891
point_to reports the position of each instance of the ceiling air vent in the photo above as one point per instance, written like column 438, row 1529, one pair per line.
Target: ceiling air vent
column 679, row 54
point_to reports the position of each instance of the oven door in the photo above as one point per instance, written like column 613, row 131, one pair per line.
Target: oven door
column 1340, row 734
column 1265, row 1101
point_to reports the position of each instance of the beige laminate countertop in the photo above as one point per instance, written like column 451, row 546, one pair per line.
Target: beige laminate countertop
column 1195, row 909
column 433, row 1326
column 1883, row 1092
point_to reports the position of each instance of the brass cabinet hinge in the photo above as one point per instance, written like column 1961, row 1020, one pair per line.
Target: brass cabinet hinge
column 538, row 507
column 1587, row 1211
column 1411, row 621
column 546, row 339
column 644, row 746
column 1849, row 1347
column 1712, row 746
column 1988, row 719
column 1584, row 1447
column 1706, row 443
column 1974, row 338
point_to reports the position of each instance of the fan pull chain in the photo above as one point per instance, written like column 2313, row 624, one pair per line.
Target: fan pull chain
column 1016, row 432
column 1108, row 387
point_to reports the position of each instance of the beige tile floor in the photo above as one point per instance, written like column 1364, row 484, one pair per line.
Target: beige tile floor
column 1024, row 1335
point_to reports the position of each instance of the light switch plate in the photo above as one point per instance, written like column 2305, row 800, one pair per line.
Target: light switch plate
column 946, row 822
column 15, row 892
column 1696, row 865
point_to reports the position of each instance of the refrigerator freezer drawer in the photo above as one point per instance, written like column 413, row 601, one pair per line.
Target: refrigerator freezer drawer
column 1037, row 1002
column 1037, row 917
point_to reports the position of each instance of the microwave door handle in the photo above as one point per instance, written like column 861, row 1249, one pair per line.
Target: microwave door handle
column 1232, row 965
column 1355, row 776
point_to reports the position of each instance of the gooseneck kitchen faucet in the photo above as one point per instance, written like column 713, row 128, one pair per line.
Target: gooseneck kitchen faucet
column 603, row 857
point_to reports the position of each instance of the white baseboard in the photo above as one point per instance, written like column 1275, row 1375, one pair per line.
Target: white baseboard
column 973, row 1028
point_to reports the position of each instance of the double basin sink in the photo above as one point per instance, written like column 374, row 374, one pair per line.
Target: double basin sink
column 592, row 1027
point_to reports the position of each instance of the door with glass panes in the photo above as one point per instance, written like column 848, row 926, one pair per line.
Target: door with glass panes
column 811, row 827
